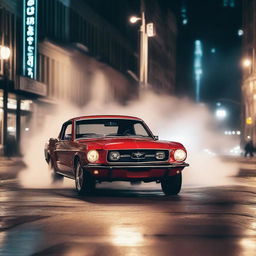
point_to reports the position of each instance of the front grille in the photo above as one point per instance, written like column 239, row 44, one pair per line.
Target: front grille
column 139, row 156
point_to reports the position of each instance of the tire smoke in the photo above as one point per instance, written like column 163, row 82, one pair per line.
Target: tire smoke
column 171, row 118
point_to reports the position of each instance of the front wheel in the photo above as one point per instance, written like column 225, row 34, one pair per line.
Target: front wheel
column 171, row 185
column 85, row 183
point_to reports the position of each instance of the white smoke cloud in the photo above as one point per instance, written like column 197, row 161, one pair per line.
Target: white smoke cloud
column 174, row 119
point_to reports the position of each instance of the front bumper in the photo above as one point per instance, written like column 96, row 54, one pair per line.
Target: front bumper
column 166, row 166
column 133, row 172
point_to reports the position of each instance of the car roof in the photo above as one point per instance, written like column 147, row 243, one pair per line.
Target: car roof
column 105, row 116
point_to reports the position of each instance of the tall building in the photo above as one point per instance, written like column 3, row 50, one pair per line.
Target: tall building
column 65, row 49
column 249, row 70
column 58, row 51
column 161, row 47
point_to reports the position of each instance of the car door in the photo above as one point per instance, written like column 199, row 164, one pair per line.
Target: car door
column 64, row 151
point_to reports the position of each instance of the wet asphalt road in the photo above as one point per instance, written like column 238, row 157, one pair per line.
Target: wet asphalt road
column 124, row 220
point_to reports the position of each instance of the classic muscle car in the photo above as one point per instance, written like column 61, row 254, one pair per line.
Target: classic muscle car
column 95, row 149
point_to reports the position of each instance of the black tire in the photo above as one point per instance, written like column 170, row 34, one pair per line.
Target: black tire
column 85, row 183
column 171, row 185
column 56, row 178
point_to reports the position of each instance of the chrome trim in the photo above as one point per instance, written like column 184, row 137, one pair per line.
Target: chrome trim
column 141, row 162
column 174, row 165
column 145, row 162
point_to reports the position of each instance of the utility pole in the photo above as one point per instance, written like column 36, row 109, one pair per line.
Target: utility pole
column 143, row 47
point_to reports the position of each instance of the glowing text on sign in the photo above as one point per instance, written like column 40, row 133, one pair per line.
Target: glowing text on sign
column 30, row 38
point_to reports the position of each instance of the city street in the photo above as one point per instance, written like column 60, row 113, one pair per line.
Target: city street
column 128, row 220
column 127, row 91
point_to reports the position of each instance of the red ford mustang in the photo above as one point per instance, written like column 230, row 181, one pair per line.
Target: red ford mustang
column 93, row 149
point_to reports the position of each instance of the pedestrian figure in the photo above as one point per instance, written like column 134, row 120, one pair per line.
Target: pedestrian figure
column 249, row 149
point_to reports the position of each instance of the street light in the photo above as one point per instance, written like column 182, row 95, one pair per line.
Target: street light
column 221, row 113
column 247, row 62
column 134, row 19
column 146, row 30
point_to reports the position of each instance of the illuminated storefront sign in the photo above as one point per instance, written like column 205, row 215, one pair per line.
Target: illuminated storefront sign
column 30, row 38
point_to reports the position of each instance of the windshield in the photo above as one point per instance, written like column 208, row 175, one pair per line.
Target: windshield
column 111, row 127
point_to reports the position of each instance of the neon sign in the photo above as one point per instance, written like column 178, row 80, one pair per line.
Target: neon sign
column 30, row 38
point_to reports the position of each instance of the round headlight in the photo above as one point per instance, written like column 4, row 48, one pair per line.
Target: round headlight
column 180, row 155
column 114, row 156
column 92, row 156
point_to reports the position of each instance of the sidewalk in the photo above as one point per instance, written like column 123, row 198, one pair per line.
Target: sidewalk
column 246, row 165
column 240, row 160
column 10, row 161
column 9, row 167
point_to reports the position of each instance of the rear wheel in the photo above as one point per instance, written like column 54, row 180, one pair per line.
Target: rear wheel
column 56, row 178
column 85, row 183
column 171, row 185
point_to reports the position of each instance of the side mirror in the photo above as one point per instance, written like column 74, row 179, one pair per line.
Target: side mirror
column 156, row 137
column 52, row 141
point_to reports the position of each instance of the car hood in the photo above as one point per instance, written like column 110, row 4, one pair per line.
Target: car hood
column 111, row 143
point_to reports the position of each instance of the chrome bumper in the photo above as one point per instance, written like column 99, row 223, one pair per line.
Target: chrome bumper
column 174, row 165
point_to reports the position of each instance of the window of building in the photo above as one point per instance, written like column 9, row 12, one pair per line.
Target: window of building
column 26, row 105
column 12, row 101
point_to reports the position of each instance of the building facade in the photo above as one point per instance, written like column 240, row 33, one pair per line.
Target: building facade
column 74, row 45
column 161, row 47
column 249, row 70
column 61, row 50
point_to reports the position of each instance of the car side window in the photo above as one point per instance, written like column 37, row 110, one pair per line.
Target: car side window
column 67, row 134
column 139, row 130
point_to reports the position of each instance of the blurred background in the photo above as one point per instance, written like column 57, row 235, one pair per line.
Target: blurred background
column 54, row 50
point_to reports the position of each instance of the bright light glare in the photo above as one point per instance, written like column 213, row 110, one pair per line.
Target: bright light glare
column 126, row 236
column 247, row 63
column 240, row 32
column 236, row 151
column 11, row 129
column 93, row 156
column 221, row 113
column 134, row 19
column 213, row 50
column 249, row 120
column 5, row 52
column 184, row 21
